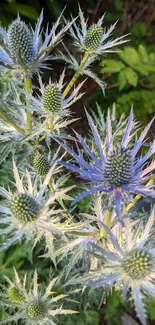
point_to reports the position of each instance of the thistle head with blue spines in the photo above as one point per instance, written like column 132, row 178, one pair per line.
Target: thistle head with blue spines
column 25, row 50
column 115, row 169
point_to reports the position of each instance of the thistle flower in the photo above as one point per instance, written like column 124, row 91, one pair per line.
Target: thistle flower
column 93, row 39
column 129, row 264
column 22, row 48
column 116, row 170
column 52, row 105
column 35, row 306
column 29, row 212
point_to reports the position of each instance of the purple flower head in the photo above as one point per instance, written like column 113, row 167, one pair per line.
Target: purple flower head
column 115, row 169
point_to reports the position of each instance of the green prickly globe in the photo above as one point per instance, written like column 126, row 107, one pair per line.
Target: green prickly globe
column 52, row 98
column 93, row 38
column 20, row 43
column 25, row 208
column 41, row 164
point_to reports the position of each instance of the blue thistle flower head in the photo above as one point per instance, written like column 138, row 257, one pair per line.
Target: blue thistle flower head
column 94, row 39
column 129, row 264
column 26, row 50
column 114, row 169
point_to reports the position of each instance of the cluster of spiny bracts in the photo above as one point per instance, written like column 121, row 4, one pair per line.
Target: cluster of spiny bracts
column 115, row 163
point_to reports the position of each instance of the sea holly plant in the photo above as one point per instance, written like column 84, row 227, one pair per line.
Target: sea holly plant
column 111, row 245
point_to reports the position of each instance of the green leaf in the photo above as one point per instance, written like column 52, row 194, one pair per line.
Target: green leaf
column 127, row 76
column 121, row 80
column 112, row 66
column 130, row 56
column 142, row 69
column 151, row 309
column 118, row 5
column 22, row 9
column 142, row 54
column 131, row 76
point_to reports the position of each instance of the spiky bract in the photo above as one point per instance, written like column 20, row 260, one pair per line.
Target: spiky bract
column 15, row 295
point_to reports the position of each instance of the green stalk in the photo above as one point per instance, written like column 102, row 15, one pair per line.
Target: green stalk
column 85, row 233
column 28, row 87
column 11, row 122
column 76, row 75
column 107, row 222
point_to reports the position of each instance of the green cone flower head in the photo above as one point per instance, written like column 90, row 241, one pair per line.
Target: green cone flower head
column 137, row 264
column 41, row 164
column 52, row 98
column 20, row 43
column 36, row 310
column 93, row 38
column 118, row 168
column 24, row 208
column 15, row 294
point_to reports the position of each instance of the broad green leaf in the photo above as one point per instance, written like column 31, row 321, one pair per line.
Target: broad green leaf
column 142, row 69
column 142, row 53
column 112, row 66
column 130, row 56
column 22, row 9
column 121, row 80
column 131, row 76
column 127, row 76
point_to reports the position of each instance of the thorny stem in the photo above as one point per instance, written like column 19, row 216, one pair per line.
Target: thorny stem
column 76, row 75
column 28, row 87
column 11, row 122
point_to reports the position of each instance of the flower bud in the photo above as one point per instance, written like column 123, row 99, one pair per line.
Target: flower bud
column 93, row 38
column 20, row 43
column 52, row 98
column 41, row 164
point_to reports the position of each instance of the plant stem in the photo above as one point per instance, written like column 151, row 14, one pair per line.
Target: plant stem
column 11, row 122
column 107, row 221
column 28, row 87
column 85, row 233
column 76, row 75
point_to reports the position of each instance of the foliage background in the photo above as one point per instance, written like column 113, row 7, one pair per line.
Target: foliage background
column 130, row 79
